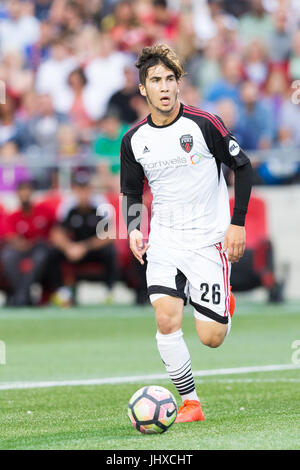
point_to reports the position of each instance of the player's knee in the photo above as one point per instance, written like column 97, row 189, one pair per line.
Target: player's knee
column 168, row 312
column 166, row 324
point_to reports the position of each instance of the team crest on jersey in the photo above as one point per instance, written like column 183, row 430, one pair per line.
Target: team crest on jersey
column 186, row 142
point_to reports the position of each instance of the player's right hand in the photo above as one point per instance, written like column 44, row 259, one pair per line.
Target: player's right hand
column 137, row 245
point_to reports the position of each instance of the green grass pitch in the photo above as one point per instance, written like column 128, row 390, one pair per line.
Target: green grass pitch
column 257, row 410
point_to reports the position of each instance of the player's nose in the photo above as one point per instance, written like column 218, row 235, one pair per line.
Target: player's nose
column 164, row 86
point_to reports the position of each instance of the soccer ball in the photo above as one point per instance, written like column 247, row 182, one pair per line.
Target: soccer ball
column 152, row 409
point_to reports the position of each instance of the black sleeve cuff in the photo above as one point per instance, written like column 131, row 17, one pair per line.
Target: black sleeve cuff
column 238, row 217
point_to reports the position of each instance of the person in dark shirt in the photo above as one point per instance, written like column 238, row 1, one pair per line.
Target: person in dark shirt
column 78, row 236
column 26, row 248
column 123, row 101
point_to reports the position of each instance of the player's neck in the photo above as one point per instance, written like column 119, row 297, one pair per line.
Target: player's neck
column 161, row 119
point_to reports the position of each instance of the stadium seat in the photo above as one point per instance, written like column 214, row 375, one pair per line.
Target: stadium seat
column 256, row 267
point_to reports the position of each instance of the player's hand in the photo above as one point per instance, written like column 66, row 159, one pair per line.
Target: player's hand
column 137, row 245
column 235, row 240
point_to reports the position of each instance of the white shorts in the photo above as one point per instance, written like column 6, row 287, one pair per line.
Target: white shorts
column 201, row 276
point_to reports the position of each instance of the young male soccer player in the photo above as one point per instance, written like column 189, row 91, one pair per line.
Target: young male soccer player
column 192, row 241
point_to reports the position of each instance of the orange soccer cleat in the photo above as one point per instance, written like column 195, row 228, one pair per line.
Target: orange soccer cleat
column 190, row 411
column 231, row 303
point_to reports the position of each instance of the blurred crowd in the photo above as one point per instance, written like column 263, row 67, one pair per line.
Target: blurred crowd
column 69, row 91
column 67, row 67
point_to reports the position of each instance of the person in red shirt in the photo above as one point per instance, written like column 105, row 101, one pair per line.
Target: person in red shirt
column 26, row 250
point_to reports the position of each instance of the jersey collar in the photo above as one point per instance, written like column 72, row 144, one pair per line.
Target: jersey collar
column 151, row 123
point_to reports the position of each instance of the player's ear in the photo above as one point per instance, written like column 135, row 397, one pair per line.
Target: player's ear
column 142, row 90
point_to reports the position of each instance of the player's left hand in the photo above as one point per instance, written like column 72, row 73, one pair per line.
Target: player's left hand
column 235, row 240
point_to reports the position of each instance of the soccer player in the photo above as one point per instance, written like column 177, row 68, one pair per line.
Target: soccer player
column 192, row 242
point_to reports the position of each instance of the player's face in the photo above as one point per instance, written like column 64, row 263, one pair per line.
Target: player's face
column 161, row 89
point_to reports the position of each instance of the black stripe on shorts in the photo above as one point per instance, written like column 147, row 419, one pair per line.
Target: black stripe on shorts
column 209, row 313
column 167, row 291
column 180, row 282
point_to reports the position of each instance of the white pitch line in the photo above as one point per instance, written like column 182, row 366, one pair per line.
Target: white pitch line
column 143, row 378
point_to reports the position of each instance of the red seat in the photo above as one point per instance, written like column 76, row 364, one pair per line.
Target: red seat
column 256, row 221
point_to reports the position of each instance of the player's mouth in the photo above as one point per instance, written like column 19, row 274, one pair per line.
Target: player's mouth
column 165, row 100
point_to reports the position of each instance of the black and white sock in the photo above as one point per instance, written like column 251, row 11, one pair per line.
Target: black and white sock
column 176, row 358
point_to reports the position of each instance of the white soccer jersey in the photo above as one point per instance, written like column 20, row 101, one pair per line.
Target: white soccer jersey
column 182, row 163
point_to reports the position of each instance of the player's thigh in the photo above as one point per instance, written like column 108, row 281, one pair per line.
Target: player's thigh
column 211, row 333
column 210, row 295
column 166, row 288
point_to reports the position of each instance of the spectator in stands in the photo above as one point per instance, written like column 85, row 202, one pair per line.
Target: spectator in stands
column 289, row 135
column 205, row 70
column 228, row 85
column 228, row 112
column 21, row 28
column 277, row 93
column 123, row 100
column 19, row 79
column 52, row 75
column 257, row 24
column 81, row 236
column 280, row 39
column 124, row 27
column 13, row 168
column 190, row 95
column 26, row 251
column 39, row 51
column 43, row 127
column 68, row 143
column 236, row 7
column 106, row 148
column 43, row 130
column 87, row 44
column 11, row 128
column 161, row 23
column 294, row 62
column 81, row 109
column 42, row 8
column 210, row 20
column 107, row 70
column 140, row 106
column 72, row 17
column 256, row 62
column 255, row 119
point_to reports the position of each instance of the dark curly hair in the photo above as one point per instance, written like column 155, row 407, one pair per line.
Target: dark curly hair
column 160, row 53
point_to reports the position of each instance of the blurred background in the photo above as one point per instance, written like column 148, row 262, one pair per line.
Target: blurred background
column 69, row 91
